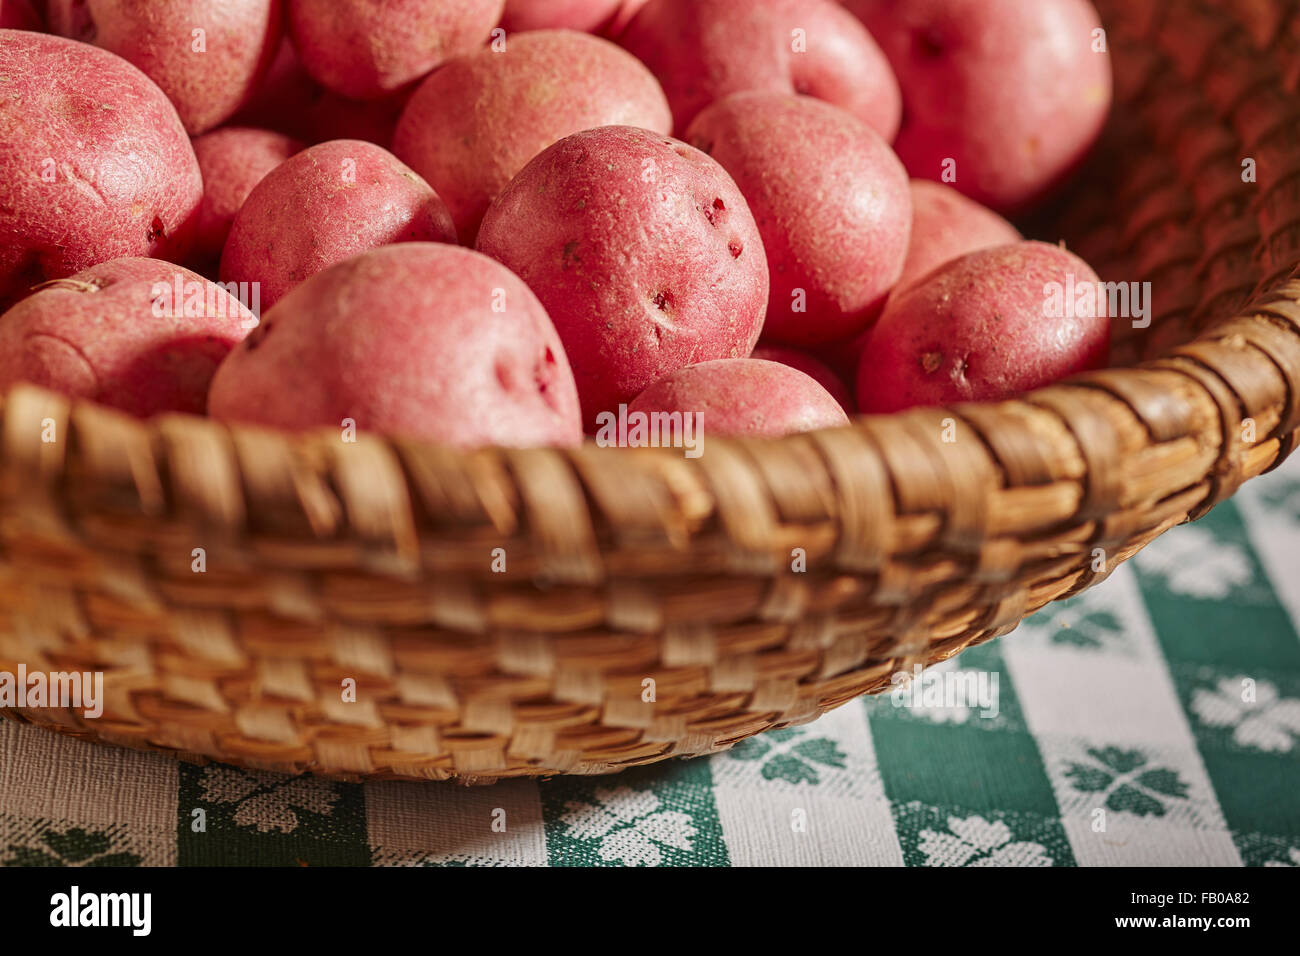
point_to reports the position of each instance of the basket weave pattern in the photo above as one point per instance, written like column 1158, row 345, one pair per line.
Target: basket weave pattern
column 924, row 532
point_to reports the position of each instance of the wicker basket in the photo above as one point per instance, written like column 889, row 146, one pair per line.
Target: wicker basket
column 326, row 560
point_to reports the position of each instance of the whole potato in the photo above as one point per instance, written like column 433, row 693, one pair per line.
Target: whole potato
column 984, row 327
column 426, row 340
column 946, row 225
column 94, row 163
column 289, row 101
column 831, row 202
column 643, row 252
column 703, row 50
column 206, row 55
column 233, row 160
column 590, row 16
column 813, row 367
column 743, row 397
column 19, row 15
column 1007, row 96
column 323, row 205
column 141, row 335
column 476, row 122
column 367, row 49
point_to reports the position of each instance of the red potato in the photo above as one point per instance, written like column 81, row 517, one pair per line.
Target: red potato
column 141, row 335
column 206, row 55
column 19, row 15
column 1011, row 92
column 368, row 49
column 985, row 327
column 831, row 201
column 590, row 16
column 94, row 163
column 233, row 160
column 703, row 50
column 947, row 225
column 476, row 122
column 744, row 397
column 605, row 17
column 331, row 116
column 626, row 12
column 425, row 340
column 290, row 102
column 285, row 93
column 323, row 205
column 643, row 252
column 813, row 367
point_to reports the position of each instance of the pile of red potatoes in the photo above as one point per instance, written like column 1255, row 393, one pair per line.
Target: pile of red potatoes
column 502, row 221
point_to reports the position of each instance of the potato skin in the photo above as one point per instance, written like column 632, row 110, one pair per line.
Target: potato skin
column 406, row 340
column 472, row 125
column 977, row 330
column 331, row 116
column 626, row 12
column 19, row 15
column 744, row 397
column 813, row 367
column 240, row 39
column 367, row 49
column 323, row 205
column 947, row 225
column 642, row 250
column 233, row 160
column 1012, row 91
column 590, row 16
column 96, row 335
column 604, row 17
column 703, row 50
column 94, row 163
column 285, row 94
column 831, row 201
column 289, row 101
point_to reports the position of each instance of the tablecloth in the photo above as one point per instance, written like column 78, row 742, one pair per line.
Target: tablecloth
column 1152, row 720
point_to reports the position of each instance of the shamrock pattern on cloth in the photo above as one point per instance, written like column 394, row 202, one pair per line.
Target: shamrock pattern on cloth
column 1081, row 624
column 1125, row 782
column 1264, row 849
column 1092, row 630
column 1107, row 622
column 956, row 836
column 266, row 800
column 629, row 826
column 1280, row 495
column 1259, row 717
column 227, row 815
column 1196, row 562
column 791, row 754
column 73, row 846
column 975, row 841
column 661, row 815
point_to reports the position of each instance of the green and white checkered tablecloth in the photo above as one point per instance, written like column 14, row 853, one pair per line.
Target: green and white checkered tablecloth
column 1154, row 720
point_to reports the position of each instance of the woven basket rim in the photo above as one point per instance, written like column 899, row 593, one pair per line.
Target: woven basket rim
column 328, row 558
